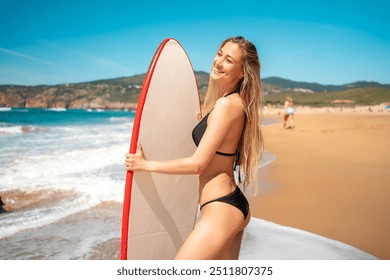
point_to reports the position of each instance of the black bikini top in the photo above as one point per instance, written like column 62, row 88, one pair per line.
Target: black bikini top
column 200, row 128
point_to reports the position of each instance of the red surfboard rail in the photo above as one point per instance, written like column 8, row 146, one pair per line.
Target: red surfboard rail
column 133, row 149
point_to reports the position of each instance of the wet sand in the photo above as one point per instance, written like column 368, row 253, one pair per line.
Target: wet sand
column 330, row 177
column 92, row 234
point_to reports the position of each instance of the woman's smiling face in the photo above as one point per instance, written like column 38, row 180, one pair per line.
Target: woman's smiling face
column 227, row 65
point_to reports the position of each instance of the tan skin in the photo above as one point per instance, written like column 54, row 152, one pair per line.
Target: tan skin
column 219, row 231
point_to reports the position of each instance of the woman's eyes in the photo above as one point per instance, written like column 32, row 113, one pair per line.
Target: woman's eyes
column 228, row 60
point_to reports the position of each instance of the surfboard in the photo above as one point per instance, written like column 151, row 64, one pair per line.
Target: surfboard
column 159, row 210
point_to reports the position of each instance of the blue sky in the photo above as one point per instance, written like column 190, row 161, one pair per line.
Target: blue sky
column 329, row 42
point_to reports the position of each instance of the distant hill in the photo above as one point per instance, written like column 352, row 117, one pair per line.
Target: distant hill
column 284, row 84
column 123, row 93
column 118, row 93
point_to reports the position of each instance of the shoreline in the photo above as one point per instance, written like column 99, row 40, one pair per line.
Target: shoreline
column 330, row 177
column 278, row 111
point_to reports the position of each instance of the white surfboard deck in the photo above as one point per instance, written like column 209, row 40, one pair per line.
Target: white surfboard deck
column 159, row 210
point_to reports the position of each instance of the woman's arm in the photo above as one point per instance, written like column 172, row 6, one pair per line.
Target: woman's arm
column 218, row 126
column 137, row 162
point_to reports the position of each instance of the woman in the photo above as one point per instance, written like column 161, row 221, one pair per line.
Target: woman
column 228, row 135
column 288, row 112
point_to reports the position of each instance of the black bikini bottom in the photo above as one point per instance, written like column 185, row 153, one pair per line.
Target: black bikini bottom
column 236, row 199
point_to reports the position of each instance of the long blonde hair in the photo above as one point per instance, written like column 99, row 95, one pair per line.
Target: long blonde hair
column 251, row 145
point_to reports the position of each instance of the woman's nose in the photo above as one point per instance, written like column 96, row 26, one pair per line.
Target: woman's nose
column 217, row 61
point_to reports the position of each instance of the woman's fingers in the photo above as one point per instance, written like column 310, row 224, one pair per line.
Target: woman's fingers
column 129, row 161
column 134, row 161
column 199, row 116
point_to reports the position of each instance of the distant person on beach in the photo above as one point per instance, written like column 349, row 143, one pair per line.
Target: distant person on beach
column 229, row 136
column 288, row 113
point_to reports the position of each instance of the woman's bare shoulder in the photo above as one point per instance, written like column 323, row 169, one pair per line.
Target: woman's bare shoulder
column 230, row 104
column 227, row 110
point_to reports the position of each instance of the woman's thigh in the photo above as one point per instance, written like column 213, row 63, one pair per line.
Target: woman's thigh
column 219, row 224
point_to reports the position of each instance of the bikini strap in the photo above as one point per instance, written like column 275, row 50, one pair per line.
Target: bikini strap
column 226, row 154
column 235, row 91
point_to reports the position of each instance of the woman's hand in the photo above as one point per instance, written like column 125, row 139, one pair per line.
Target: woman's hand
column 199, row 116
column 135, row 162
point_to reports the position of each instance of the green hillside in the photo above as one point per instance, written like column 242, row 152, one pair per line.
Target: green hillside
column 350, row 97
column 122, row 93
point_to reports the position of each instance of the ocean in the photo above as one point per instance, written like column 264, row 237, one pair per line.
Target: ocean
column 62, row 181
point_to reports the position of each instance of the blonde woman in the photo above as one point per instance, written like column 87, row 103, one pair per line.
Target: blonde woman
column 229, row 135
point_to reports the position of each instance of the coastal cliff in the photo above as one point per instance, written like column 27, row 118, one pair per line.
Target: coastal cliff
column 98, row 96
column 119, row 93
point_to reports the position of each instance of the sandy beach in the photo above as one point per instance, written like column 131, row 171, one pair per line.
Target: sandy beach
column 331, row 176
